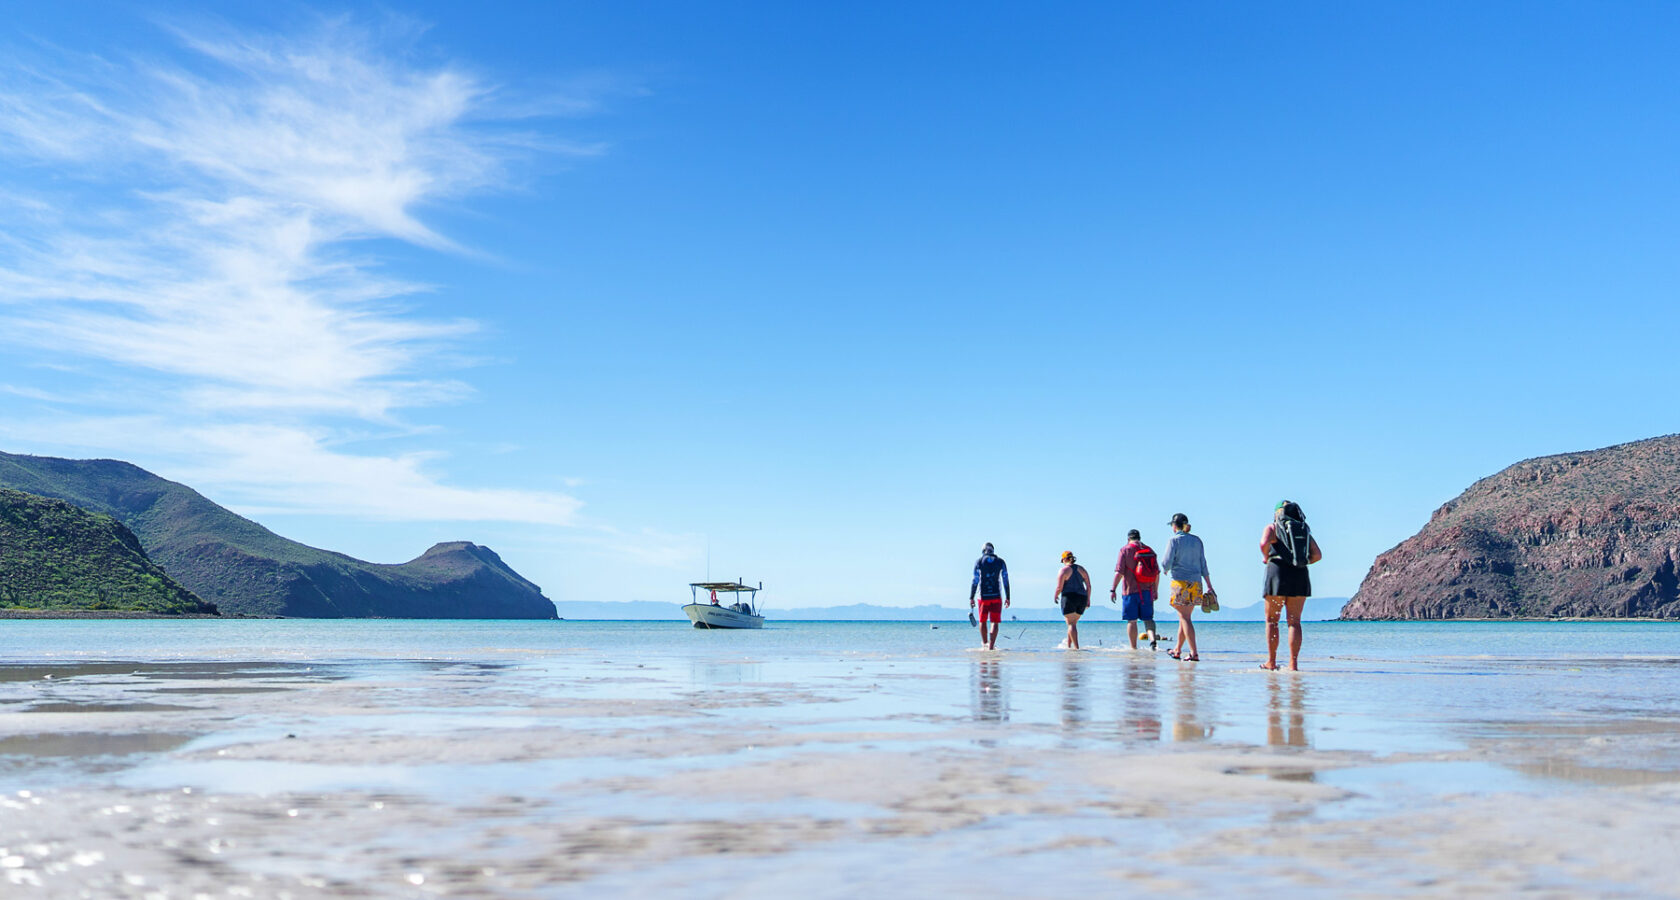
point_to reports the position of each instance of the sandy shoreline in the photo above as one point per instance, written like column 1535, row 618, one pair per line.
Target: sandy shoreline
column 828, row 775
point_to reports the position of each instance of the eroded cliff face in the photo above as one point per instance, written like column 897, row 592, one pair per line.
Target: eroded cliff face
column 1579, row 534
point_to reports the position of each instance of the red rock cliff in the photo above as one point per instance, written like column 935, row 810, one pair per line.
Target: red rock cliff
column 1578, row 534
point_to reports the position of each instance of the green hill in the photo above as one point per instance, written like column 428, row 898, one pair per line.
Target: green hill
column 54, row 555
column 244, row 568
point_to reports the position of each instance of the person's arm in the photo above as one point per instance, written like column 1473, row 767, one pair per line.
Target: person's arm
column 1167, row 561
column 1005, row 576
column 1313, row 554
column 1119, row 566
column 1085, row 574
column 975, row 586
column 1266, row 538
column 1061, row 580
column 1207, row 574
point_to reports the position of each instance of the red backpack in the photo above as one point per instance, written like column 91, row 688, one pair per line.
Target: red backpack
column 1144, row 567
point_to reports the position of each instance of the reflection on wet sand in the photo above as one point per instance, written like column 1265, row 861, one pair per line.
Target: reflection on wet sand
column 1076, row 709
column 1568, row 770
column 1142, row 716
column 710, row 673
column 1188, row 721
column 990, row 693
column 1286, row 727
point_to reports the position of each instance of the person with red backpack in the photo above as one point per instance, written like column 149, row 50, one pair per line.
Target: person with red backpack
column 1136, row 576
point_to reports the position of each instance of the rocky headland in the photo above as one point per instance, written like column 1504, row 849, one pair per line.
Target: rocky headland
column 246, row 569
column 1594, row 534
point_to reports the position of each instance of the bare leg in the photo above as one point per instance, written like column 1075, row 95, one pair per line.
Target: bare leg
column 1131, row 633
column 983, row 644
column 1294, row 605
column 991, row 644
column 1154, row 633
column 1186, row 630
column 1271, row 634
column 1294, row 644
column 1073, row 630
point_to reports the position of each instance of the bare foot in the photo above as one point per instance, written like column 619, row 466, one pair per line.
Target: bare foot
column 1269, row 666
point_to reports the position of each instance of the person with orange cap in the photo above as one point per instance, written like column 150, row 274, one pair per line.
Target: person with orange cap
column 1073, row 592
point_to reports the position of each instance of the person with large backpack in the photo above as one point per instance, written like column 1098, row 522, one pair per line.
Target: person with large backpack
column 1288, row 547
column 1136, row 576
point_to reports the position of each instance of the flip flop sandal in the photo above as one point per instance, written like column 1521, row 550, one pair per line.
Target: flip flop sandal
column 1174, row 654
column 1192, row 658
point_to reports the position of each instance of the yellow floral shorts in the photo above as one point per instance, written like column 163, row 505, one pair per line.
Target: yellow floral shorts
column 1185, row 593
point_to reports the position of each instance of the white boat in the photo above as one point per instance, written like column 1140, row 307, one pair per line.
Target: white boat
column 716, row 614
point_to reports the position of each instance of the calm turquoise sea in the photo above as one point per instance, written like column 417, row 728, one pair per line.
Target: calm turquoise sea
column 1370, row 687
column 342, row 639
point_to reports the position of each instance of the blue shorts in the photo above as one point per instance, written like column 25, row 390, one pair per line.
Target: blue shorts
column 1140, row 605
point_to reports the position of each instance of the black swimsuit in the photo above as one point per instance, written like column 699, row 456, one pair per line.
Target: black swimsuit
column 1283, row 579
column 1074, row 603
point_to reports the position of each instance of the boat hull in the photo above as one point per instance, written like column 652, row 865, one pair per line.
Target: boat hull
column 705, row 615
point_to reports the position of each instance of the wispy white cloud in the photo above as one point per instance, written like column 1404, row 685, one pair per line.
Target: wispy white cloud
column 200, row 229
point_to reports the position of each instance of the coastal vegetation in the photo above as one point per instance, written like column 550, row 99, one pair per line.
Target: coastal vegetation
column 56, row 556
column 246, row 569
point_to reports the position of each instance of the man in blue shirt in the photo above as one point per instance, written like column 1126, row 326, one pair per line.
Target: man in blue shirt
column 991, row 579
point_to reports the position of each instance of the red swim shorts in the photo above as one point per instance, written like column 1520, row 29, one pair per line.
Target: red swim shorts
column 991, row 610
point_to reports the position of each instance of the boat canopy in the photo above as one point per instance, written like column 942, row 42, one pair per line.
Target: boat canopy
column 725, row 587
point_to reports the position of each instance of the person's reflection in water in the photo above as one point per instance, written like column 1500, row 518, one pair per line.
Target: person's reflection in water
column 1142, row 718
column 991, row 699
column 1287, row 727
column 1188, row 724
column 1074, row 709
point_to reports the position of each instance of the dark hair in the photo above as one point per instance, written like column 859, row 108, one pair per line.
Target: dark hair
column 1292, row 510
column 1133, row 535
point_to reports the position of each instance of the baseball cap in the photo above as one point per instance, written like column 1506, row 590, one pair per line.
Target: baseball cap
column 1179, row 519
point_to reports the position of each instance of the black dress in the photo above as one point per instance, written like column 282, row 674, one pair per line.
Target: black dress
column 1283, row 579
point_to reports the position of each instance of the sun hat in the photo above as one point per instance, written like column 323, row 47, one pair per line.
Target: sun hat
column 1067, row 556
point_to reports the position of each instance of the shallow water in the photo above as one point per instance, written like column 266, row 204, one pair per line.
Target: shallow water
column 820, row 747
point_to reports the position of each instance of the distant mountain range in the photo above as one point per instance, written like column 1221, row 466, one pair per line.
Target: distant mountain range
column 1318, row 609
column 244, row 568
column 57, row 556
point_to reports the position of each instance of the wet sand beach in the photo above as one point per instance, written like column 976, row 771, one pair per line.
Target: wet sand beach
column 497, row 760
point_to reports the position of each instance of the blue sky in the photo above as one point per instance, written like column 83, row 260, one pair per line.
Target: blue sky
column 840, row 293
